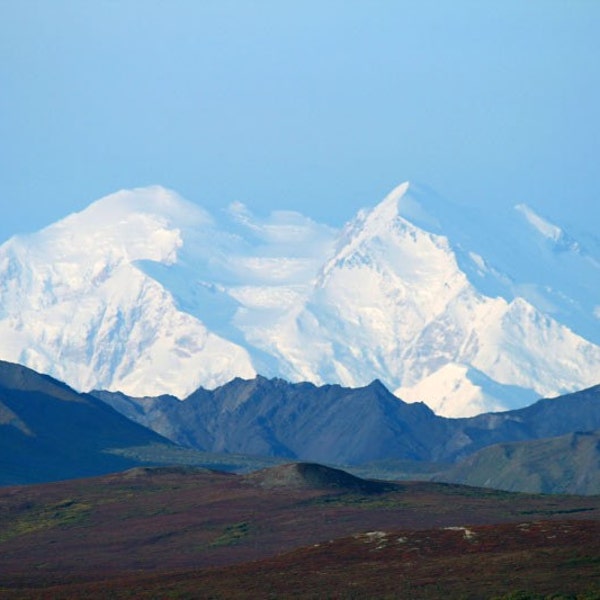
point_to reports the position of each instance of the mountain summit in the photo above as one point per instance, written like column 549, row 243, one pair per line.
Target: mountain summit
column 146, row 293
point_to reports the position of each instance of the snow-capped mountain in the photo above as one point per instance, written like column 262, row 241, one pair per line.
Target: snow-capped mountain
column 146, row 293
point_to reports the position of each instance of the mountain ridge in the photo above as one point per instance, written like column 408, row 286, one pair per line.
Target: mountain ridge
column 346, row 426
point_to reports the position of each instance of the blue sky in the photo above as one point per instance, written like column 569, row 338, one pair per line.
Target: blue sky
column 320, row 107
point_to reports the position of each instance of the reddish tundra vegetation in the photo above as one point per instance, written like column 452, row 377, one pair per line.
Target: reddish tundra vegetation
column 299, row 530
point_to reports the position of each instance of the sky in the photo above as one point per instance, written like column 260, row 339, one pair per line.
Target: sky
column 319, row 107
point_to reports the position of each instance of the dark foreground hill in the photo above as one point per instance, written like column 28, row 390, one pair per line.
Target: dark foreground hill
column 193, row 533
column 49, row 432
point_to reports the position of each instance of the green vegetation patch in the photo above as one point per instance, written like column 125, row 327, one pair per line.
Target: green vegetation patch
column 583, row 560
column 164, row 454
column 359, row 500
column 233, row 534
column 66, row 513
column 467, row 491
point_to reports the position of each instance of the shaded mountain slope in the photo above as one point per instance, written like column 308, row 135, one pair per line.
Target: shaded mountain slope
column 548, row 417
column 569, row 464
column 48, row 431
column 51, row 432
column 336, row 425
column 328, row 424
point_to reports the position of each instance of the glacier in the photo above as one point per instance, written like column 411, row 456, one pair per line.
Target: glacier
column 147, row 293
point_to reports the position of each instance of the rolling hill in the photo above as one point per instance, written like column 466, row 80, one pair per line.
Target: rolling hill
column 180, row 532
column 568, row 464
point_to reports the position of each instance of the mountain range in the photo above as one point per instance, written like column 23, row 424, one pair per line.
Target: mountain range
column 148, row 294
column 345, row 426
column 49, row 432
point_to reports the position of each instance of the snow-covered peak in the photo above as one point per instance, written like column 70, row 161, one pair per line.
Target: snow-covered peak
column 131, row 211
column 460, row 390
column 147, row 293
column 376, row 221
column 388, row 209
column 156, row 201
column 384, row 239
column 140, row 224
column 77, row 304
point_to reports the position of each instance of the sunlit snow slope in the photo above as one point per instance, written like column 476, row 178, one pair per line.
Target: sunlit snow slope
column 146, row 293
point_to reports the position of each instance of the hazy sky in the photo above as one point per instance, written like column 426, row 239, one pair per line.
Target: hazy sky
column 318, row 106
